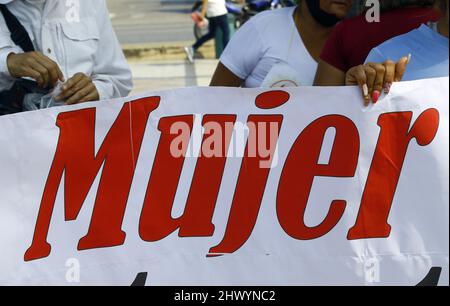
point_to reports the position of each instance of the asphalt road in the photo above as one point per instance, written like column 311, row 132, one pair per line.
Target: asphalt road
column 151, row 21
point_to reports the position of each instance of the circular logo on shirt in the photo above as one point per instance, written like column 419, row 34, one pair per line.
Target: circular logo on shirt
column 285, row 83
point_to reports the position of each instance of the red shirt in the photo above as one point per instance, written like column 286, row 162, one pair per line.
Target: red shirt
column 352, row 40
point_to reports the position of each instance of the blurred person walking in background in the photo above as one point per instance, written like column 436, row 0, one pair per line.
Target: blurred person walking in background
column 217, row 13
column 70, row 42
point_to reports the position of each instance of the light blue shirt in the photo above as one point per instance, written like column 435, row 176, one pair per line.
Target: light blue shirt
column 428, row 49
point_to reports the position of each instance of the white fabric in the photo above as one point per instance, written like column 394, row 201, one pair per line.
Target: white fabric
column 216, row 8
column 78, row 35
column 268, row 39
column 281, row 75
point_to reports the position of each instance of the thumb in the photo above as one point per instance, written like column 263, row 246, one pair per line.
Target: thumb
column 400, row 68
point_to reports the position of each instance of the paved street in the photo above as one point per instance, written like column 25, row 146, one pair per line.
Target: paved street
column 151, row 21
column 160, row 75
column 157, row 30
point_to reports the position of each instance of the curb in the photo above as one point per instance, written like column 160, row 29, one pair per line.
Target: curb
column 164, row 51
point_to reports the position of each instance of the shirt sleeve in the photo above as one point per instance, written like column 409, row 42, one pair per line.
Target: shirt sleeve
column 6, row 48
column 244, row 51
column 375, row 56
column 332, row 52
column 111, row 75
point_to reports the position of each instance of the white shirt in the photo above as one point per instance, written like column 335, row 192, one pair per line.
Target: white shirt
column 77, row 35
column 216, row 8
column 268, row 40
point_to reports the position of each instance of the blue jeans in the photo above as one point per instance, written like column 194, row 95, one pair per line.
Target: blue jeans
column 215, row 23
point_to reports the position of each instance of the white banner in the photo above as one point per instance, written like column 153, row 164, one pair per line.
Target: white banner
column 208, row 186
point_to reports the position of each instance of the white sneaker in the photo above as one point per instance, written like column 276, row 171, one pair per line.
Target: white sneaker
column 189, row 53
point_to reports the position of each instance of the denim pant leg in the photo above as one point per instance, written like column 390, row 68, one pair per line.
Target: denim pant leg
column 213, row 23
column 225, row 27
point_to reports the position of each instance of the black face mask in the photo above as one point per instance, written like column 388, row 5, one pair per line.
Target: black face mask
column 322, row 17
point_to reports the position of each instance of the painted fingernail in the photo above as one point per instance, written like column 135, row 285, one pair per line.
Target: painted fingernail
column 376, row 96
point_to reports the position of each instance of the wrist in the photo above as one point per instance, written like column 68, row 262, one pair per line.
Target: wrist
column 9, row 63
column 4, row 54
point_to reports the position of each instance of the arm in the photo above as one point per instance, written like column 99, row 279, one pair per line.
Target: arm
column 14, row 63
column 6, row 48
column 111, row 75
column 6, row 80
column 224, row 77
column 327, row 75
column 331, row 71
column 240, row 57
column 204, row 9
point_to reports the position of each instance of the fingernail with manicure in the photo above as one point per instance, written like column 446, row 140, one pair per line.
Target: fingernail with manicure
column 376, row 96
column 365, row 90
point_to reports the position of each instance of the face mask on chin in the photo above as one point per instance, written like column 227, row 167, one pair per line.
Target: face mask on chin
column 322, row 17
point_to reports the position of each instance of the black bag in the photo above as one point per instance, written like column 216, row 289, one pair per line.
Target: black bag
column 11, row 100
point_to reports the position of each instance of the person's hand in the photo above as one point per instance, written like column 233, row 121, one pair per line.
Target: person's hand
column 374, row 78
column 78, row 89
column 35, row 65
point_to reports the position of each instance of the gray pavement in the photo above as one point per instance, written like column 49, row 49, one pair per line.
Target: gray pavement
column 151, row 21
column 160, row 75
column 157, row 30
